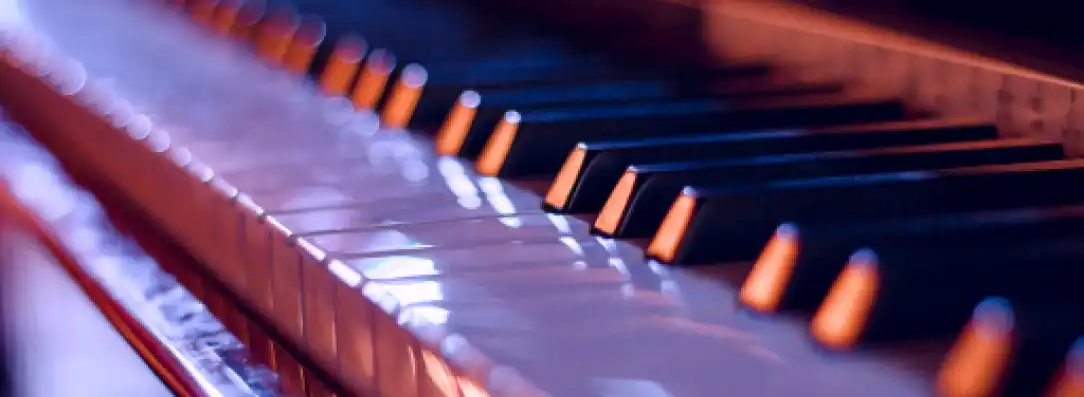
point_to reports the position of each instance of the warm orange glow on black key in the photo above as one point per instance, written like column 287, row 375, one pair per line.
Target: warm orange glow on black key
column 225, row 16
column 496, row 151
column 665, row 244
column 842, row 318
column 1070, row 379
column 979, row 358
column 247, row 20
column 609, row 219
column 452, row 134
column 310, row 34
column 202, row 11
column 373, row 79
column 274, row 37
column 342, row 66
column 764, row 287
column 403, row 98
column 562, row 185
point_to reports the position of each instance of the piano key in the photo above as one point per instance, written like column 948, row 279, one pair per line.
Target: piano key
column 225, row 16
column 454, row 133
column 538, row 253
column 710, row 224
column 798, row 265
column 497, row 286
column 512, row 72
column 396, row 209
column 334, row 173
column 469, row 135
column 274, row 34
column 501, row 57
column 202, row 11
column 1068, row 381
column 612, row 313
column 657, row 185
column 247, row 21
column 403, row 98
column 599, row 167
column 536, row 142
column 895, row 293
column 614, row 219
column 340, row 237
column 432, row 39
column 443, row 184
column 516, row 72
column 579, row 85
column 310, row 35
column 342, row 65
column 725, row 81
column 372, row 80
column 1010, row 349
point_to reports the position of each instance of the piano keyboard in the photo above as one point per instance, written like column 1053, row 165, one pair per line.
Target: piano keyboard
column 447, row 211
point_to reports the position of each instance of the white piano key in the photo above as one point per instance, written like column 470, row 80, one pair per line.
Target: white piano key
column 199, row 197
column 319, row 305
column 284, row 261
column 222, row 227
column 393, row 350
column 333, row 234
column 354, row 334
column 255, row 256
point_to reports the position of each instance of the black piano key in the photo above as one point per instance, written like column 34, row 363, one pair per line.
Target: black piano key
column 578, row 85
column 898, row 294
column 603, row 163
column 309, row 36
column 614, row 219
column 373, row 78
column 1069, row 381
column 1010, row 349
column 451, row 79
column 797, row 266
column 502, row 56
column 511, row 74
column 401, row 101
column 537, row 142
column 274, row 32
column 433, row 27
column 490, row 107
column 707, row 224
column 201, row 11
column 663, row 182
column 340, row 67
column 458, row 51
column 448, row 83
column 224, row 15
column 247, row 21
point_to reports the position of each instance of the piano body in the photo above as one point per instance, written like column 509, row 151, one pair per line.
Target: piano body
column 411, row 199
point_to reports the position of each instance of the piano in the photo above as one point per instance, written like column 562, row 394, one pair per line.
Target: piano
column 581, row 198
